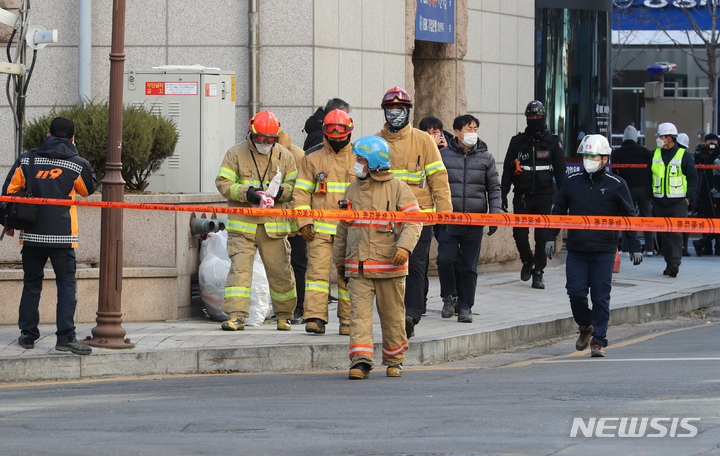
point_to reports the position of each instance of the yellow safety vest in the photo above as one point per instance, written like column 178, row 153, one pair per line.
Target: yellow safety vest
column 668, row 180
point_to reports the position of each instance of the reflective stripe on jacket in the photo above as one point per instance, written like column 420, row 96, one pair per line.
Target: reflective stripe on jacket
column 370, row 244
column 668, row 180
column 415, row 160
column 312, row 193
column 238, row 173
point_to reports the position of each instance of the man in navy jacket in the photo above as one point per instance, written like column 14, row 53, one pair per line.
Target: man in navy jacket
column 591, row 253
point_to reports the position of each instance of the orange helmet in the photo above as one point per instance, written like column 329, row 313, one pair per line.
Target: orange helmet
column 264, row 127
column 337, row 124
column 396, row 95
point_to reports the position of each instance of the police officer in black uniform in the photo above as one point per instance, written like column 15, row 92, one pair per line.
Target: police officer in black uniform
column 533, row 158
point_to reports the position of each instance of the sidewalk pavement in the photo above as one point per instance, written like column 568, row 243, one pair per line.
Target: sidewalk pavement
column 507, row 313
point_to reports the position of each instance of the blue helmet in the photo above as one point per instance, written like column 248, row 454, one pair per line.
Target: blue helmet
column 375, row 150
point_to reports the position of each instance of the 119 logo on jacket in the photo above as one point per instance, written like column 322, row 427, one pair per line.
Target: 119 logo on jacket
column 52, row 174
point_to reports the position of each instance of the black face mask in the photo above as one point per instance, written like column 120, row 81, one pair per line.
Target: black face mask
column 337, row 146
column 535, row 127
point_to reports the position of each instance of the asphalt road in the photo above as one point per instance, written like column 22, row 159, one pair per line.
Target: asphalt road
column 516, row 402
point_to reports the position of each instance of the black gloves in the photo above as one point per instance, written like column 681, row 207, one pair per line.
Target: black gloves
column 252, row 196
column 279, row 194
column 492, row 230
column 504, row 205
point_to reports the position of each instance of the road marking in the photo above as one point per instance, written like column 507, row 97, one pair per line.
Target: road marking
column 618, row 345
column 605, row 360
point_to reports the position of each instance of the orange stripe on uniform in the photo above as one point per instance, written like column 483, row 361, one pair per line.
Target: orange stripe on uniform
column 80, row 187
column 17, row 182
column 73, row 218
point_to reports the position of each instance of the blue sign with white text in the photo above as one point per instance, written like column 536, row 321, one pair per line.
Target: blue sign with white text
column 662, row 14
column 435, row 21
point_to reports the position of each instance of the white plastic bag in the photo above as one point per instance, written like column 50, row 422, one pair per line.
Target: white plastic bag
column 212, row 274
column 260, row 307
column 214, row 268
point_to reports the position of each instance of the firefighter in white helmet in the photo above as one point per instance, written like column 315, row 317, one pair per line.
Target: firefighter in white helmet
column 674, row 186
column 591, row 253
column 246, row 171
column 374, row 254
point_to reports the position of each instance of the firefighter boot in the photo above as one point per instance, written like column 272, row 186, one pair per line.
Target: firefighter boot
column 233, row 323
column 315, row 325
column 584, row 338
column 344, row 329
column 394, row 371
column 359, row 371
column 283, row 324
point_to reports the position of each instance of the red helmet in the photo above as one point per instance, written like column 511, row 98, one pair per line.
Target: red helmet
column 396, row 95
column 337, row 124
column 264, row 127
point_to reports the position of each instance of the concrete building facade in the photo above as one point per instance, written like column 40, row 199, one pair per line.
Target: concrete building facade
column 310, row 51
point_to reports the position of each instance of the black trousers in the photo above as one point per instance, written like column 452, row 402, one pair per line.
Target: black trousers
column 63, row 263
column 531, row 204
column 299, row 262
column 416, row 280
column 590, row 272
column 671, row 244
column 463, row 243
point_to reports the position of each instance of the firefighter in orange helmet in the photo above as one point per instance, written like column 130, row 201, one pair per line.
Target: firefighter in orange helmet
column 246, row 171
column 324, row 175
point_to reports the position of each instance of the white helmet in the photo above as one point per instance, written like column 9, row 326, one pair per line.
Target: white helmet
column 667, row 129
column 683, row 140
column 594, row 145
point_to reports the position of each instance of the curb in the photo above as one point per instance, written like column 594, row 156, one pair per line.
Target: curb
column 309, row 357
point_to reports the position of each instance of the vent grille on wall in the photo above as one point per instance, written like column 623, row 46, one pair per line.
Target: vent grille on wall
column 174, row 161
column 174, row 109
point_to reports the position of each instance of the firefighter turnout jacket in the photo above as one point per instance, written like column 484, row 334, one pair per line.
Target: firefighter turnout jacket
column 323, row 178
column 415, row 160
column 369, row 245
column 244, row 167
column 60, row 173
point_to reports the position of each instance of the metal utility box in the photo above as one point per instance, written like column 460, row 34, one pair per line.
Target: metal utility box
column 201, row 101
column 692, row 116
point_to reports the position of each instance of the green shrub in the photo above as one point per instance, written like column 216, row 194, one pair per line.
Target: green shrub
column 147, row 140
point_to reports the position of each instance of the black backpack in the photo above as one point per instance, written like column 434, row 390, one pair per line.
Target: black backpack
column 20, row 216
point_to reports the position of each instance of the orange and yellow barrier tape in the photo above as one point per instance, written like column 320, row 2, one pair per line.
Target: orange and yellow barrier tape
column 584, row 222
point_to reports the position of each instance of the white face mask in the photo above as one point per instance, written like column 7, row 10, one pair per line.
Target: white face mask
column 264, row 149
column 659, row 141
column 592, row 166
column 359, row 170
column 469, row 139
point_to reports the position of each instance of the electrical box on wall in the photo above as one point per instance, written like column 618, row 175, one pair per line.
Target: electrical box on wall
column 201, row 102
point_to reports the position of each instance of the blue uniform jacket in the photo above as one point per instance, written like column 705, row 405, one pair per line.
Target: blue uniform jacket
column 600, row 193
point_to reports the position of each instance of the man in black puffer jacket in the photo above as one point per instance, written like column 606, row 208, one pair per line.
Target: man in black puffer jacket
column 474, row 187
